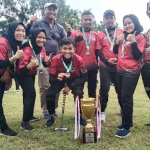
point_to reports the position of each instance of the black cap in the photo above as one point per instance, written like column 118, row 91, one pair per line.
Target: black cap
column 108, row 12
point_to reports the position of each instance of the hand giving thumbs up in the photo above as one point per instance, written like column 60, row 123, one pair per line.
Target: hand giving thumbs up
column 131, row 37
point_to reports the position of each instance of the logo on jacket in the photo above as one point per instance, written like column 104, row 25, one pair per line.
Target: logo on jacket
column 93, row 38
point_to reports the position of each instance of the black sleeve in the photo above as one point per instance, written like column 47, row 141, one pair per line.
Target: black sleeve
column 24, row 70
column 79, row 81
column 28, row 27
column 135, row 51
column 78, row 38
column 115, row 49
column 4, row 63
column 44, row 64
column 100, row 54
column 53, row 79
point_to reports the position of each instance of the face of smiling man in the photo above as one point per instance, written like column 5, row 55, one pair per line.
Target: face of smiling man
column 50, row 12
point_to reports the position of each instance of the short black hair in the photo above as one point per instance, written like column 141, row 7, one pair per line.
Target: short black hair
column 67, row 41
column 87, row 12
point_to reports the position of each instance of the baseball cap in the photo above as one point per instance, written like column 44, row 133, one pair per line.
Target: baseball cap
column 108, row 12
column 50, row 4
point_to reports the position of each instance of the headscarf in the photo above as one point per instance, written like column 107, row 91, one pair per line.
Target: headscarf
column 32, row 38
column 9, row 35
column 137, row 26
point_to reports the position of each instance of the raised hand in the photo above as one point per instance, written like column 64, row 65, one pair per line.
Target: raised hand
column 33, row 62
column 120, row 39
column 48, row 59
column 19, row 53
column 131, row 37
column 68, row 26
column 147, row 50
column 33, row 19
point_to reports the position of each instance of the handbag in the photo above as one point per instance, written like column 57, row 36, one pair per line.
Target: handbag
column 7, row 76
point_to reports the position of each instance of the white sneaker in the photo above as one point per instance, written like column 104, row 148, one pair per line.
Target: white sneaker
column 103, row 116
column 16, row 91
column 5, row 92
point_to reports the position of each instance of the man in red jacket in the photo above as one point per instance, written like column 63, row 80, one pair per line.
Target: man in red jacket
column 108, row 60
column 67, row 71
column 85, row 42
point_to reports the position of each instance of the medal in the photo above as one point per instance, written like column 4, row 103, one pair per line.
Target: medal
column 111, row 48
column 87, row 42
column 40, row 71
column 67, row 74
column 68, row 69
column 87, row 50
column 111, row 41
column 122, row 53
column 35, row 56
column 40, row 65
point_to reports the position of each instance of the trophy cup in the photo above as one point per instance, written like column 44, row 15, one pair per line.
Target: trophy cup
column 88, row 109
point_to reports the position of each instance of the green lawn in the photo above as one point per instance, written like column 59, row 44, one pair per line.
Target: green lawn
column 46, row 139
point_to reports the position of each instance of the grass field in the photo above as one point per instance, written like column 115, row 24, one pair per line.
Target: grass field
column 46, row 139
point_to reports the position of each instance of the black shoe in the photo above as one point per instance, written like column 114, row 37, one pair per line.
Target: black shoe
column 148, row 124
column 34, row 119
column 26, row 126
column 50, row 121
column 8, row 132
column 123, row 133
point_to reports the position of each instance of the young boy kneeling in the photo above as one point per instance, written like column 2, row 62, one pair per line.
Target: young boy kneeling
column 67, row 72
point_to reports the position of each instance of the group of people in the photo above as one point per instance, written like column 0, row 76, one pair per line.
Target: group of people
column 67, row 59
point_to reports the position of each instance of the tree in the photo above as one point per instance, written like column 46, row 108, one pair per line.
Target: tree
column 65, row 13
column 9, row 12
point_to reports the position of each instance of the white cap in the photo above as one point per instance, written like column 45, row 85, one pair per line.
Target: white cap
column 50, row 4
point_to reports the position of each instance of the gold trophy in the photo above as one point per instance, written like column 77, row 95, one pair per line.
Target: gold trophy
column 88, row 109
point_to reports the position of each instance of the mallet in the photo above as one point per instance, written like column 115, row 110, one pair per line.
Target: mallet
column 62, row 119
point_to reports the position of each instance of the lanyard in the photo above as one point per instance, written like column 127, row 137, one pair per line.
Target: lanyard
column 35, row 56
column 67, row 68
column 84, row 36
column 87, row 42
column 12, row 53
column 122, row 48
column 111, row 41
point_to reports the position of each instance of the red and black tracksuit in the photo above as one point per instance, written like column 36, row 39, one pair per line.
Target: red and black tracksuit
column 89, row 60
column 128, row 71
column 78, row 76
column 26, row 79
column 107, row 71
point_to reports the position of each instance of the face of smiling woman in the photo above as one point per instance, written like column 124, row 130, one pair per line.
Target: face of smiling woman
column 19, row 33
column 128, row 25
column 41, row 39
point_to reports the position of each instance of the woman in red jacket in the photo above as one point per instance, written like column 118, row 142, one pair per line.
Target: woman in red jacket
column 129, row 47
column 26, row 69
column 10, row 42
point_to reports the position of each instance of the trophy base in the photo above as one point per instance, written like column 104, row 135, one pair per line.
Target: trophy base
column 89, row 137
